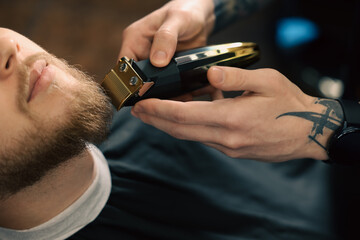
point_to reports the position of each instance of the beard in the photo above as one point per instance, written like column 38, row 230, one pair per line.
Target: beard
column 50, row 143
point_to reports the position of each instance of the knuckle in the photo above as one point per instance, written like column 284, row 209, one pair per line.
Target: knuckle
column 175, row 132
column 187, row 16
column 179, row 117
column 232, row 154
column 146, row 119
column 272, row 72
column 128, row 30
column 278, row 80
column 179, row 13
column 165, row 34
column 230, row 122
column 273, row 75
column 236, row 76
column 232, row 142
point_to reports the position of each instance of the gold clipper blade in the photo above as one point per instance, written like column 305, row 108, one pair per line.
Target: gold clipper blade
column 122, row 82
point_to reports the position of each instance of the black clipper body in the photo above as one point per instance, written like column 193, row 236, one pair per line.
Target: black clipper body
column 129, row 81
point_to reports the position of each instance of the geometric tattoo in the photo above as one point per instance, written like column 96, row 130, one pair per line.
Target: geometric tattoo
column 331, row 118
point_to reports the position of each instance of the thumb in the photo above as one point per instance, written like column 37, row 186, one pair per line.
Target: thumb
column 237, row 79
column 165, row 41
column 163, row 47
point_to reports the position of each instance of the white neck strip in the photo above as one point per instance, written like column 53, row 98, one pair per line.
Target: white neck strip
column 83, row 211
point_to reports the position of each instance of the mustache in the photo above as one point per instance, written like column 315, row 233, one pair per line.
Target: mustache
column 24, row 70
column 23, row 75
column 30, row 60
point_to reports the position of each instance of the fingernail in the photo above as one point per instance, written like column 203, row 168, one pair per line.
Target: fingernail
column 217, row 75
column 138, row 109
column 134, row 113
column 159, row 56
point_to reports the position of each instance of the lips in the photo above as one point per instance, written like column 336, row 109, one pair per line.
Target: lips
column 35, row 75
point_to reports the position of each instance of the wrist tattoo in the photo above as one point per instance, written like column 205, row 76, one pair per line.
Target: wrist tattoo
column 331, row 118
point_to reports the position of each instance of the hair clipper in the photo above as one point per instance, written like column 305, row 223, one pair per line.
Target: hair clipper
column 129, row 81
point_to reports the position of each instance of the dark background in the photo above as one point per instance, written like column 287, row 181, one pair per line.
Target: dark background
column 88, row 33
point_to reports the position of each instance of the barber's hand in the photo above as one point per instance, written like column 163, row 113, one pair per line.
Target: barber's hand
column 272, row 121
column 178, row 25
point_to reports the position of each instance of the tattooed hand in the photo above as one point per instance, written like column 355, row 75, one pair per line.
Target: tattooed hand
column 272, row 121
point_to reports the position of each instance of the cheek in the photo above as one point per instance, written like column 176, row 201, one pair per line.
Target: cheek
column 12, row 127
column 11, row 119
column 9, row 91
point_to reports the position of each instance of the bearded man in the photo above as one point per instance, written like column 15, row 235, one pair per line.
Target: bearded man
column 140, row 183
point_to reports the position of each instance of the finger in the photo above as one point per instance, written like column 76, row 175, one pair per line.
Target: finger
column 126, row 51
column 165, row 41
column 184, row 98
column 190, row 44
column 227, row 151
column 200, row 133
column 210, row 90
column 217, row 95
column 137, row 38
column 244, row 153
column 197, row 112
column 136, row 49
column 203, row 91
column 236, row 79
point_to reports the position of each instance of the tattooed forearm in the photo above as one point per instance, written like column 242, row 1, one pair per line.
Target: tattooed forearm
column 331, row 118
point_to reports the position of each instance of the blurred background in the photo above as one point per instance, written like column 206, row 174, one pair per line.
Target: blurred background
column 315, row 43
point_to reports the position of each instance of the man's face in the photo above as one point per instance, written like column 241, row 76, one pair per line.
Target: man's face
column 48, row 111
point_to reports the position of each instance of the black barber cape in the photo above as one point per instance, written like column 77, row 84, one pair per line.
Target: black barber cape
column 164, row 188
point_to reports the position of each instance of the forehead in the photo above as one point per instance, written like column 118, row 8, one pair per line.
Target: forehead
column 23, row 42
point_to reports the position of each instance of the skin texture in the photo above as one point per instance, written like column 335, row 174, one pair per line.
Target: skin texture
column 269, row 122
column 272, row 121
column 177, row 25
column 46, row 119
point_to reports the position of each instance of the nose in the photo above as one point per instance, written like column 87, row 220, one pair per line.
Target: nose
column 8, row 57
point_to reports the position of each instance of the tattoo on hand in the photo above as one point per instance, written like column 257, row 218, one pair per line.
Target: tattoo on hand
column 331, row 118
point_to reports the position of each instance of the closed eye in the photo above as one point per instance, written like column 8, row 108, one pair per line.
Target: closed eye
column 7, row 66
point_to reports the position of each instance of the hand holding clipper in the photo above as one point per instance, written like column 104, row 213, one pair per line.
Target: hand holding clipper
column 129, row 81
